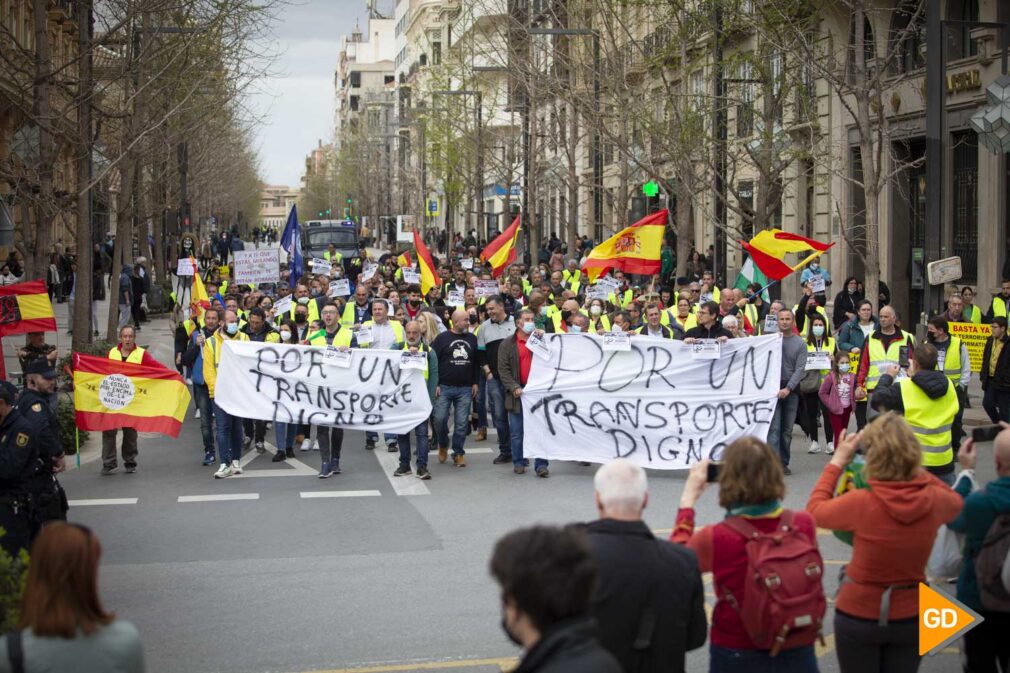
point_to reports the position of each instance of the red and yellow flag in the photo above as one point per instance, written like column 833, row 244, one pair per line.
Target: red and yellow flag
column 198, row 299
column 769, row 248
column 109, row 395
column 25, row 307
column 404, row 259
column 635, row 249
column 502, row 250
column 429, row 277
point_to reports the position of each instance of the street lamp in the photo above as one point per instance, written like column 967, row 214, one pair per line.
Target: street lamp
column 478, row 115
column 594, row 150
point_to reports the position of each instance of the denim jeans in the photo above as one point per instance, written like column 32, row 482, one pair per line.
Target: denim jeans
column 201, row 398
column 284, row 435
column 516, row 435
column 421, row 432
column 796, row 660
column 459, row 397
column 229, row 435
column 780, row 434
column 480, row 402
column 496, row 398
column 373, row 436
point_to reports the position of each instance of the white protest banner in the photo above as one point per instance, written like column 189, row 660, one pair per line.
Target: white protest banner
column 186, row 267
column 340, row 288
column 295, row 384
column 705, row 349
column 369, row 272
column 454, row 298
column 486, row 288
column 816, row 283
column 411, row 277
column 321, row 266
column 257, row 266
column 616, row 341
column 283, row 305
column 538, row 346
column 466, row 263
column 654, row 404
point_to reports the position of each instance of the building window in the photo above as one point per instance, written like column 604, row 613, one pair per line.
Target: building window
column 777, row 64
column 436, row 53
column 697, row 89
column 745, row 199
column 745, row 106
column 959, row 42
column 355, row 80
column 907, row 36
column 354, row 103
column 869, row 49
column 965, row 203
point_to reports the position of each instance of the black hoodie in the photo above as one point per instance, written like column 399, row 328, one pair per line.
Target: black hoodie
column 887, row 396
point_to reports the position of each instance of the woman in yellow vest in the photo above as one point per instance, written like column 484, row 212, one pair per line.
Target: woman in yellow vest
column 820, row 352
column 229, row 426
column 683, row 315
column 970, row 312
column 598, row 319
column 126, row 350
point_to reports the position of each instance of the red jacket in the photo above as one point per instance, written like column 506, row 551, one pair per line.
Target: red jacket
column 722, row 552
column 895, row 524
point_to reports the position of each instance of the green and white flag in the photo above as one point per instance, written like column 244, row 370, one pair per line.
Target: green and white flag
column 750, row 273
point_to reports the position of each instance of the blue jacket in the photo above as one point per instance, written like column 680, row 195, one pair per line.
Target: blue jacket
column 851, row 336
column 980, row 510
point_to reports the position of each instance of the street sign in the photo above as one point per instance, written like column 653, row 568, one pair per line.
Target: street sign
column 943, row 271
column 431, row 208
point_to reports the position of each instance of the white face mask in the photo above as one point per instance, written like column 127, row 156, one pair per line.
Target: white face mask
column 285, row 335
column 595, row 309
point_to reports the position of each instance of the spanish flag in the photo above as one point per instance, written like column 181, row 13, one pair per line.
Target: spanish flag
column 404, row 260
column 109, row 395
column 199, row 301
column 25, row 307
column 635, row 249
column 769, row 248
column 502, row 250
column 429, row 277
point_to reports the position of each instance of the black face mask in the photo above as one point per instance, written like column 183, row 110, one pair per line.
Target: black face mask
column 415, row 302
column 300, row 318
column 565, row 315
column 473, row 320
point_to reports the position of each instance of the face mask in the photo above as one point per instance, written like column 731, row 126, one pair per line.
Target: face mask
column 852, row 290
column 565, row 315
column 574, row 329
column 300, row 318
column 843, row 367
column 543, row 310
column 595, row 310
column 415, row 302
column 303, row 300
column 528, row 327
column 473, row 319
column 285, row 336
column 231, row 328
column 818, row 330
column 814, row 267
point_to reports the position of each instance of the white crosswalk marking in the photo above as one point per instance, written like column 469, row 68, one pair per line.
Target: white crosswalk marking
column 406, row 485
column 339, row 494
column 293, row 466
column 102, row 501
column 219, row 497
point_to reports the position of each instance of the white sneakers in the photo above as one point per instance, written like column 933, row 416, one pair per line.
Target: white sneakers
column 223, row 471
column 814, row 447
column 830, row 448
column 197, row 415
column 235, row 467
column 309, row 444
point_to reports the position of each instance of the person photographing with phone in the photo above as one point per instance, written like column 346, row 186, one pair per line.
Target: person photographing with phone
column 929, row 402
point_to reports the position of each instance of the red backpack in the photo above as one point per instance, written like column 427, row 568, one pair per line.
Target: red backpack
column 783, row 602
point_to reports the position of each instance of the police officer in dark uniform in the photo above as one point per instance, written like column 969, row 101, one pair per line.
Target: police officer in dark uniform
column 33, row 405
column 19, row 461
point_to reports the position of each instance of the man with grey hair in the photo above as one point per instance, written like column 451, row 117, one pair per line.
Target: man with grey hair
column 649, row 602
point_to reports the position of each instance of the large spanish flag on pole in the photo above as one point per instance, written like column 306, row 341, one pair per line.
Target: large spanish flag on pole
column 199, row 301
column 769, row 248
column 429, row 277
column 635, row 249
column 109, row 395
column 25, row 307
column 502, row 250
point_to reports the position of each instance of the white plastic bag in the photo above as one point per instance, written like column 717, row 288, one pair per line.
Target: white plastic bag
column 945, row 558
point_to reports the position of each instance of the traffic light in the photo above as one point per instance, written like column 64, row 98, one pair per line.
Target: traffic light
column 320, row 214
column 327, row 212
column 650, row 188
column 350, row 201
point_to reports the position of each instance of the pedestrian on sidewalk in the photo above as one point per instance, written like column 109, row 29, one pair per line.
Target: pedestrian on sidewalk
column 125, row 298
column 995, row 372
column 126, row 350
column 64, row 626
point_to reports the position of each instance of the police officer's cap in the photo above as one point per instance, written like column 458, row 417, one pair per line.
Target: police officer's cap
column 42, row 368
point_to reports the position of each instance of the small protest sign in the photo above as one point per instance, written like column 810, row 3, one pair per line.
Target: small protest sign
column 257, row 266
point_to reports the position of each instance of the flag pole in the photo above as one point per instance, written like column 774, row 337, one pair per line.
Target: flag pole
column 763, row 289
column 77, row 442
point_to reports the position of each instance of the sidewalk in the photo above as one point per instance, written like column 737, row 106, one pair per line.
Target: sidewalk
column 156, row 336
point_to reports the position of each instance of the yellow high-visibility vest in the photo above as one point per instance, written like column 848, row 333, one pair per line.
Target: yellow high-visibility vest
column 931, row 420
column 877, row 355
column 952, row 361
column 136, row 356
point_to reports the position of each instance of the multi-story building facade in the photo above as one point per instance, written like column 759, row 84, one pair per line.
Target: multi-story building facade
column 275, row 204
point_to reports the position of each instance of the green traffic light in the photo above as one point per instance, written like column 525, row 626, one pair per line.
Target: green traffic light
column 650, row 188
column 349, row 201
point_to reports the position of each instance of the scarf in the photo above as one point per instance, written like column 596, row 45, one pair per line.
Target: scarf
column 770, row 510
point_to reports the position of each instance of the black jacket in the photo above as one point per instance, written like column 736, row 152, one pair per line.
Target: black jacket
column 569, row 647
column 635, row 571
column 1001, row 380
column 887, row 396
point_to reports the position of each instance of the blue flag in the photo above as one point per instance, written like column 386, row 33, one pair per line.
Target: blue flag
column 291, row 241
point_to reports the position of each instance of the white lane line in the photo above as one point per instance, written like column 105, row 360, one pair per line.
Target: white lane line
column 406, row 485
column 219, row 497
column 339, row 494
column 103, row 501
column 475, row 449
column 294, row 467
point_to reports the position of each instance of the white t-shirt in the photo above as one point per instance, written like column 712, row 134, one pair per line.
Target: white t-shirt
column 844, row 393
column 867, row 329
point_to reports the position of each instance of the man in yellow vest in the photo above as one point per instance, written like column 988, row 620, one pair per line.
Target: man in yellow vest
column 332, row 256
column 385, row 334
column 952, row 359
column 414, row 344
column 126, row 350
column 330, row 439
column 1000, row 305
column 883, row 347
column 229, row 426
column 928, row 401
